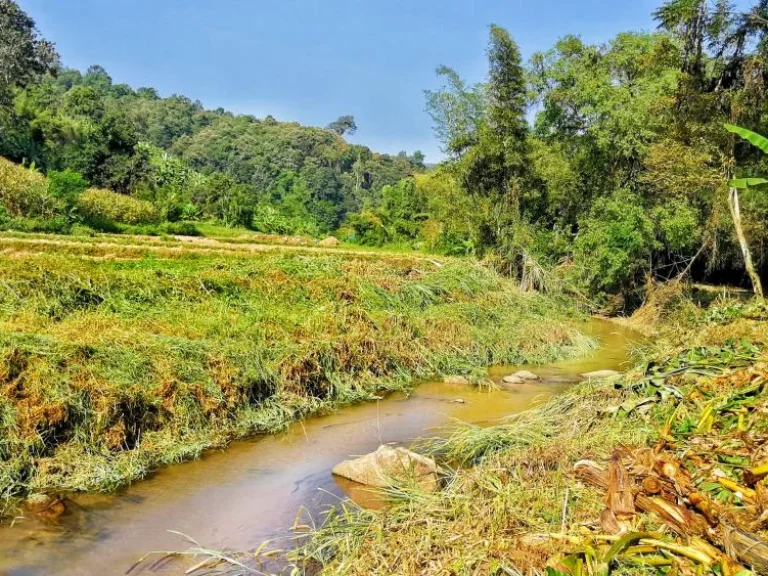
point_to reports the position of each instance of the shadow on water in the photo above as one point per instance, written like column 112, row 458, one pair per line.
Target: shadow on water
column 252, row 491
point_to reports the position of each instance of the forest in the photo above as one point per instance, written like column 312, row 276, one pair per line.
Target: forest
column 83, row 131
column 598, row 166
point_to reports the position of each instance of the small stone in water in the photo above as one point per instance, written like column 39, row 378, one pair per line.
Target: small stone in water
column 525, row 375
column 600, row 374
column 46, row 506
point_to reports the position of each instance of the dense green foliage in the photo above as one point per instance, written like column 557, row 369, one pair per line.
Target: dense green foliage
column 190, row 162
column 23, row 54
column 598, row 165
column 622, row 175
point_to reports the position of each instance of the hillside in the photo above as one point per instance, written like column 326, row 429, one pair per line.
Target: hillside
column 591, row 166
column 192, row 162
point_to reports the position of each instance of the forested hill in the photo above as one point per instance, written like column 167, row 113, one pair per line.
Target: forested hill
column 595, row 167
column 193, row 162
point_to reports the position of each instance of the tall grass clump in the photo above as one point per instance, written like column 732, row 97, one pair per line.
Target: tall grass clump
column 24, row 192
column 104, row 207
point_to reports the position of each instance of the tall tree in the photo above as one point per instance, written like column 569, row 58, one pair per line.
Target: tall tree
column 689, row 20
column 498, row 163
column 457, row 111
column 343, row 125
column 24, row 55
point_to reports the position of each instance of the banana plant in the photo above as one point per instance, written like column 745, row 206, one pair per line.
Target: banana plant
column 733, row 202
column 756, row 140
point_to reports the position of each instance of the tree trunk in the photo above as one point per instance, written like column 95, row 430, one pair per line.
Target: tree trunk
column 733, row 204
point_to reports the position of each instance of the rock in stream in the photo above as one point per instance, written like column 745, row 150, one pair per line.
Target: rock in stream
column 390, row 465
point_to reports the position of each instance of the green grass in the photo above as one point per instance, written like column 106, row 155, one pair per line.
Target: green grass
column 511, row 481
column 122, row 354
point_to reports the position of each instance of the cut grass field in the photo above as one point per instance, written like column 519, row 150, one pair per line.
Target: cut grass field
column 514, row 506
column 119, row 354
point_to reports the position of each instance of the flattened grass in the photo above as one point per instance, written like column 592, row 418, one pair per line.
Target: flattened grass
column 514, row 480
column 514, row 486
column 110, row 367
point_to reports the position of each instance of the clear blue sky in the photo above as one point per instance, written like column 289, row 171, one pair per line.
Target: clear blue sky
column 314, row 60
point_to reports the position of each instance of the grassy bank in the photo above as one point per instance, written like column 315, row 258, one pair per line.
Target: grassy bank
column 118, row 356
column 697, row 395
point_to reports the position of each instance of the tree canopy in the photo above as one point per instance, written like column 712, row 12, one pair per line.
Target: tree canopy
column 601, row 165
column 343, row 125
column 24, row 55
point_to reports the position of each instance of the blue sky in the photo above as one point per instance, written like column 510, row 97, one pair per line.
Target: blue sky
column 314, row 60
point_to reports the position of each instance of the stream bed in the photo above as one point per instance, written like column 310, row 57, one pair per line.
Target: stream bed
column 253, row 490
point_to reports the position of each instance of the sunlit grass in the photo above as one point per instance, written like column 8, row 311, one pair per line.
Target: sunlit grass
column 512, row 485
column 117, row 358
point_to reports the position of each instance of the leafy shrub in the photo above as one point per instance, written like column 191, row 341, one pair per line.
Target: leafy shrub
column 614, row 245
column 270, row 220
column 369, row 230
column 24, row 192
column 179, row 229
column 677, row 225
column 81, row 230
column 155, row 229
column 220, row 196
column 5, row 216
column 454, row 216
column 52, row 225
column 101, row 208
column 66, row 185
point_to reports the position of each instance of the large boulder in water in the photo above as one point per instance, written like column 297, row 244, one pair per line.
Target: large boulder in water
column 456, row 381
column 526, row 376
column 389, row 465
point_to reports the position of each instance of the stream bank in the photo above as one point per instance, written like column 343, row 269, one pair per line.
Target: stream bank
column 252, row 491
column 673, row 453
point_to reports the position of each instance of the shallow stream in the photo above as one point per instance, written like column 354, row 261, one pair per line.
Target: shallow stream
column 253, row 490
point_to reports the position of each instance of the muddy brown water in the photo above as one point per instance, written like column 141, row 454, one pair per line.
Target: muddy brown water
column 253, row 490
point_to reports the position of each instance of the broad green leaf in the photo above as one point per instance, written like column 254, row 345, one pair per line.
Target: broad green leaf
column 623, row 543
column 752, row 137
column 745, row 183
column 710, row 487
